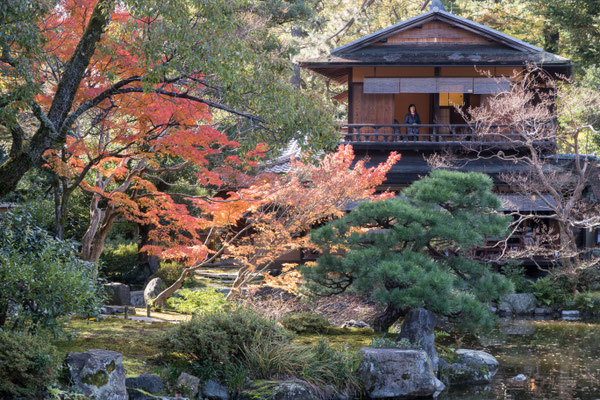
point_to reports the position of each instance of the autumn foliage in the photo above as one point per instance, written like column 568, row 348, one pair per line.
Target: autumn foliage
column 272, row 216
column 126, row 112
column 134, row 133
column 307, row 196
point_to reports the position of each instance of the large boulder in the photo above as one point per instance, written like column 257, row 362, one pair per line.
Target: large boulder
column 474, row 367
column 277, row 390
column 144, row 387
column 417, row 328
column 153, row 289
column 99, row 374
column 137, row 298
column 118, row 294
column 189, row 383
column 397, row 374
column 518, row 303
column 213, row 390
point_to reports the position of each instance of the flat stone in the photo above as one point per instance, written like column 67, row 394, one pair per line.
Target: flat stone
column 396, row 373
column 99, row 374
column 355, row 324
column 570, row 315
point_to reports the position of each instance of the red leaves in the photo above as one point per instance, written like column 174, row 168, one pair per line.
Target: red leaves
column 133, row 147
column 283, row 208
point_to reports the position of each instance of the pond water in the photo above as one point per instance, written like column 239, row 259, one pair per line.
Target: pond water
column 560, row 359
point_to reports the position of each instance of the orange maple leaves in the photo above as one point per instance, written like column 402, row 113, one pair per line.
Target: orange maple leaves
column 133, row 145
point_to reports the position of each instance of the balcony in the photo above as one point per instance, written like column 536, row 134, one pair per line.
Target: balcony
column 435, row 136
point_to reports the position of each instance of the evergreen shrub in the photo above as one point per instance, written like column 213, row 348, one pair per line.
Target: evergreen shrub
column 118, row 259
column 200, row 301
column 169, row 272
column 553, row 291
column 242, row 344
column 28, row 365
column 209, row 342
column 516, row 274
column 41, row 278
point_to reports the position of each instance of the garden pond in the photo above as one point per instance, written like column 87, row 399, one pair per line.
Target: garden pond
column 560, row 360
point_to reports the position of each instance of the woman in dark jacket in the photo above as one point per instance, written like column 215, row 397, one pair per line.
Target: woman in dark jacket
column 412, row 118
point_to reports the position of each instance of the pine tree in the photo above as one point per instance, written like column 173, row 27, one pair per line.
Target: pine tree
column 416, row 251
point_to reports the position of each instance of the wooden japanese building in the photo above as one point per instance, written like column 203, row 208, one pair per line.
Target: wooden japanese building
column 439, row 62
column 436, row 61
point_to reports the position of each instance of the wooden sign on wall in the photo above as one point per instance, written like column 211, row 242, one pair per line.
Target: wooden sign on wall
column 382, row 85
column 436, row 85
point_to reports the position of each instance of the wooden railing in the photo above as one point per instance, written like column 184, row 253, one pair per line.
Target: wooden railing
column 458, row 133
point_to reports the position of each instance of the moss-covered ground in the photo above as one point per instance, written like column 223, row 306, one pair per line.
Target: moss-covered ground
column 134, row 339
column 354, row 338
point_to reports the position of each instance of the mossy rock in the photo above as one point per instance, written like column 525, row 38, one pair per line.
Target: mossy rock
column 474, row 367
column 98, row 374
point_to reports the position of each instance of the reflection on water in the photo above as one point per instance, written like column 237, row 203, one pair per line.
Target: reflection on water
column 560, row 359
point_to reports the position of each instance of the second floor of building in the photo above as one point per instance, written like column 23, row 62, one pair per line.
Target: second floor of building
column 410, row 85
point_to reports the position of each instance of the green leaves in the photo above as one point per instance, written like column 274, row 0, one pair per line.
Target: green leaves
column 41, row 278
column 413, row 251
column 236, row 48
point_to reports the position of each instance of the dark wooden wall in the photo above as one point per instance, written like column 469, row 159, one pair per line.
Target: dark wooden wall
column 435, row 32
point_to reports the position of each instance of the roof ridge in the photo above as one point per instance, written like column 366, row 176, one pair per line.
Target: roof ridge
column 436, row 13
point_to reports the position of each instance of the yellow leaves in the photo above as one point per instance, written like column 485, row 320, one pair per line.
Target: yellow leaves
column 290, row 279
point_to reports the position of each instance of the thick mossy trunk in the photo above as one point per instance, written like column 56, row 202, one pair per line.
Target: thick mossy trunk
column 12, row 171
column 385, row 320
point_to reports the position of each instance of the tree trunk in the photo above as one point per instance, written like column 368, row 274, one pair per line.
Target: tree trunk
column 386, row 319
column 62, row 195
column 100, row 223
column 168, row 292
column 240, row 280
column 12, row 171
column 3, row 313
column 51, row 133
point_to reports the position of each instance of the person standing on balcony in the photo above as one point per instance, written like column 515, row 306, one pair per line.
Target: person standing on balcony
column 412, row 118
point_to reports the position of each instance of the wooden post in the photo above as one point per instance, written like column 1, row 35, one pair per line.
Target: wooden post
column 148, row 310
column 126, row 312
